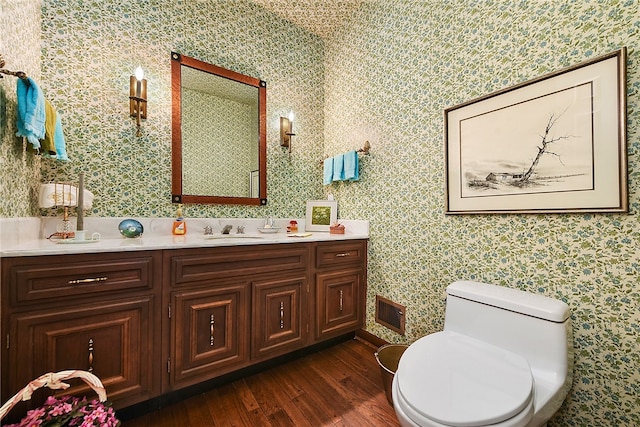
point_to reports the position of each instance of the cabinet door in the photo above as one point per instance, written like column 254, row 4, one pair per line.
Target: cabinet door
column 113, row 340
column 339, row 302
column 279, row 319
column 209, row 332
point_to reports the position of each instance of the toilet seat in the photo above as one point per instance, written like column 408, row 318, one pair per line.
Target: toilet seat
column 451, row 379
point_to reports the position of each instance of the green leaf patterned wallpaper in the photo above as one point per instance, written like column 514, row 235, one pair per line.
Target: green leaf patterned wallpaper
column 19, row 171
column 389, row 74
column 221, row 154
column 90, row 48
column 386, row 77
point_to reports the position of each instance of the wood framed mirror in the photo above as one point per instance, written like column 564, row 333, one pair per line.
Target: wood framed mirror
column 218, row 134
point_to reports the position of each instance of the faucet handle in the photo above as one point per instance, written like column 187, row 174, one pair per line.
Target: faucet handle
column 208, row 230
column 241, row 229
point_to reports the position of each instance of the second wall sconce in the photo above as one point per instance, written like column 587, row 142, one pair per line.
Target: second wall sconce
column 138, row 98
column 286, row 131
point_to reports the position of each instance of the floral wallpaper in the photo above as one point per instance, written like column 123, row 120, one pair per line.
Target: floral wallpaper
column 19, row 170
column 90, row 48
column 390, row 72
column 385, row 76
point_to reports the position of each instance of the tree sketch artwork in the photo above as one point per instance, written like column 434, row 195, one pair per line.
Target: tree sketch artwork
column 542, row 145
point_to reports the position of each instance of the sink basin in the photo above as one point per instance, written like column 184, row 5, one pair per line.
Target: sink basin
column 232, row 236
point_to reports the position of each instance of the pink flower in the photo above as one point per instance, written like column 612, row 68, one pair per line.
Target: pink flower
column 70, row 411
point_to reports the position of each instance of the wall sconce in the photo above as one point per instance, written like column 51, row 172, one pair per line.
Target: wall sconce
column 286, row 131
column 138, row 98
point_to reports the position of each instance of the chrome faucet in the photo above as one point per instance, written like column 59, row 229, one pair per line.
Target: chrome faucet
column 227, row 229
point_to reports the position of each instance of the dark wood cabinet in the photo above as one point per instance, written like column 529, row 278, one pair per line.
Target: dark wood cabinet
column 340, row 284
column 209, row 332
column 153, row 322
column 279, row 319
column 113, row 340
column 338, row 302
column 96, row 312
column 233, row 306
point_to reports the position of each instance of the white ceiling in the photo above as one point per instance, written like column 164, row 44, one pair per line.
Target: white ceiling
column 321, row 17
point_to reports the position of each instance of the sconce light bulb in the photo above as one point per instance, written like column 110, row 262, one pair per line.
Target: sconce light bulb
column 139, row 73
column 291, row 116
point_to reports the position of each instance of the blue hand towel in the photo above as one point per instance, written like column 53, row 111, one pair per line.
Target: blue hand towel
column 328, row 171
column 58, row 139
column 31, row 111
column 338, row 167
column 351, row 166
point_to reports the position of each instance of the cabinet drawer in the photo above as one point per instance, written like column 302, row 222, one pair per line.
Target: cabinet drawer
column 57, row 277
column 341, row 253
column 199, row 265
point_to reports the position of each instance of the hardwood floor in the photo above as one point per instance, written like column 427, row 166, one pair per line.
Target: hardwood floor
column 338, row 386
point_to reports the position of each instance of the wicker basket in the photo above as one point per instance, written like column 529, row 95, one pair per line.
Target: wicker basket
column 54, row 381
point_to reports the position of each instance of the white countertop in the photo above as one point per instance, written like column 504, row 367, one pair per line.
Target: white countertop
column 27, row 236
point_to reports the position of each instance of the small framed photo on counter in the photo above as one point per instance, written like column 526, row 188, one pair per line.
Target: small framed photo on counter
column 321, row 214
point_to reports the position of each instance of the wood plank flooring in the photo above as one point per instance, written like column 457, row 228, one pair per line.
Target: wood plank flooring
column 338, row 386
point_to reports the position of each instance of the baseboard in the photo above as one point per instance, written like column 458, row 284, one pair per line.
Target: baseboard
column 370, row 339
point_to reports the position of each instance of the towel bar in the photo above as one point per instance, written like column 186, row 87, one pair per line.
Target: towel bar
column 19, row 74
column 364, row 150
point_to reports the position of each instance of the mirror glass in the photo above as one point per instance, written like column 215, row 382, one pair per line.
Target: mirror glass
column 218, row 134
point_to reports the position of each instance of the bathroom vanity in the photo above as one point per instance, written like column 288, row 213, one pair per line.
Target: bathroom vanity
column 155, row 318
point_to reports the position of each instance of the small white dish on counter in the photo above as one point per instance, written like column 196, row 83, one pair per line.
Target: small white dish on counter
column 269, row 230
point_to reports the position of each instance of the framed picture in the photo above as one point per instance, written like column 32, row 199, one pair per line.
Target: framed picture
column 321, row 214
column 553, row 144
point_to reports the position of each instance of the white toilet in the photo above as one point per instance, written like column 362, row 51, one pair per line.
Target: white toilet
column 505, row 358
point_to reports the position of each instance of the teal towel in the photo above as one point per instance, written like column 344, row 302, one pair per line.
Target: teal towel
column 351, row 166
column 31, row 111
column 338, row 167
column 328, row 171
column 58, row 139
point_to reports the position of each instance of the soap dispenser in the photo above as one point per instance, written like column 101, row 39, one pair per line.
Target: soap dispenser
column 179, row 225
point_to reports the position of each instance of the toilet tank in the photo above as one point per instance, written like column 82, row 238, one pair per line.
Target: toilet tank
column 534, row 326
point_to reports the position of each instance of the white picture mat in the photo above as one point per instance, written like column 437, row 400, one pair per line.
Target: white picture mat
column 607, row 135
column 321, row 214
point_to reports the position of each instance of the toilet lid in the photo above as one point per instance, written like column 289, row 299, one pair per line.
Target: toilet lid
column 460, row 381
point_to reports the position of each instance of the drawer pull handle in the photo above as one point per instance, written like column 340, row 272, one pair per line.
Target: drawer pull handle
column 281, row 315
column 89, row 280
column 212, row 325
column 341, row 294
column 90, row 355
column 343, row 254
